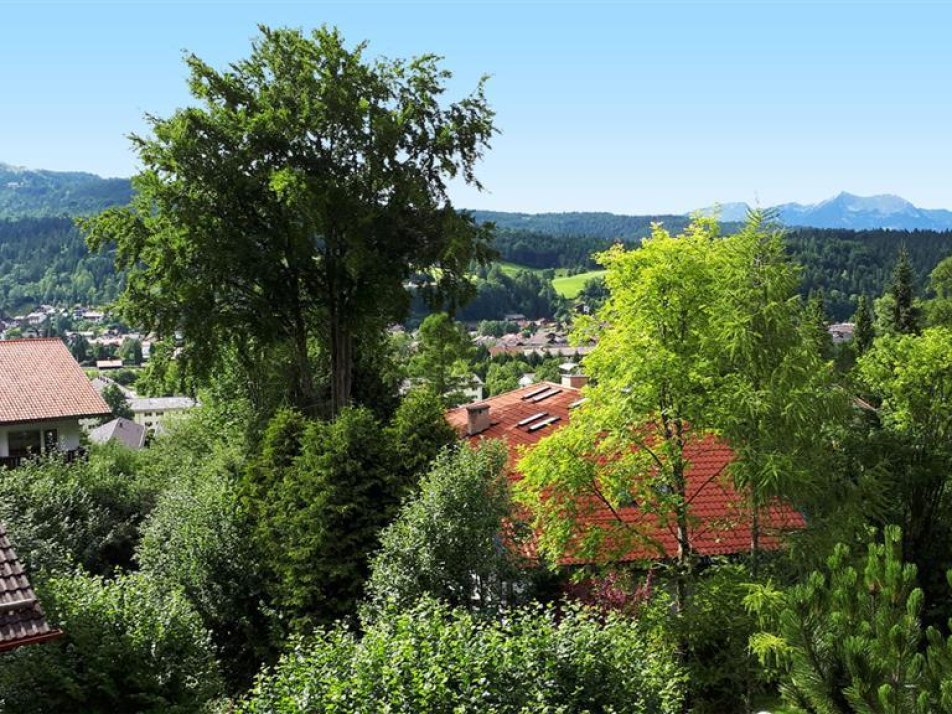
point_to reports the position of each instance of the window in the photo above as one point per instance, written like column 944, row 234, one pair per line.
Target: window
column 23, row 443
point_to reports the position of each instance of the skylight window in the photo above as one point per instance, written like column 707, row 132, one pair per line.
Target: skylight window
column 528, row 420
column 543, row 423
column 535, row 393
column 545, row 395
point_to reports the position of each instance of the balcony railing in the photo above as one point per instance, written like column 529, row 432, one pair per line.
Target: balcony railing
column 12, row 462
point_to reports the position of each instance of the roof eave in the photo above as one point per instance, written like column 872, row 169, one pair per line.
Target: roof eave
column 64, row 417
column 34, row 640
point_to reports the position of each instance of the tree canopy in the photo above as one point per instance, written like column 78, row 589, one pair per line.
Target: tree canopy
column 293, row 203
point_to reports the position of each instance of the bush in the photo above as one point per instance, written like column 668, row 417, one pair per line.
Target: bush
column 447, row 542
column 87, row 513
column 723, row 673
column 850, row 638
column 436, row 659
column 198, row 540
column 129, row 646
column 318, row 498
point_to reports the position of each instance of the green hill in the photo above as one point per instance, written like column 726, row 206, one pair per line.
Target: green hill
column 25, row 193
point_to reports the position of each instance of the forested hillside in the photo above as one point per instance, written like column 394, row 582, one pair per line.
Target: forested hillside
column 844, row 263
column 45, row 260
column 55, row 193
column 607, row 226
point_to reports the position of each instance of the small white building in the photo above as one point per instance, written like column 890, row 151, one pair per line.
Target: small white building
column 841, row 332
column 150, row 411
column 44, row 394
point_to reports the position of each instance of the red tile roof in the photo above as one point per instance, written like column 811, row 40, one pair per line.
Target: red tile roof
column 21, row 617
column 720, row 521
column 40, row 380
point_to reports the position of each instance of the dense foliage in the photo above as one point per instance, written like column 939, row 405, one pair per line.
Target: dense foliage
column 430, row 658
column 84, row 514
column 129, row 645
column 524, row 293
column 849, row 638
column 846, row 263
column 447, row 541
column 45, row 261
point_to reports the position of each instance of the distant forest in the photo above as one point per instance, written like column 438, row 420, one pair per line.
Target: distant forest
column 842, row 263
column 35, row 194
column 44, row 260
column 845, row 264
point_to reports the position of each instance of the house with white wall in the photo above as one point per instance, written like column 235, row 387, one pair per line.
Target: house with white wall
column 151, row 411
column 44, row 394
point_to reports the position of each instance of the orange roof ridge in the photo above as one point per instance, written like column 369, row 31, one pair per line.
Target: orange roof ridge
column 41, row 381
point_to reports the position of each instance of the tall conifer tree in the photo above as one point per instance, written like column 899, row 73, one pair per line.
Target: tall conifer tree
column 905, row 312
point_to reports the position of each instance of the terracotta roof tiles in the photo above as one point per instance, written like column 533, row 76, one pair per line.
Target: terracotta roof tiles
column 40, row 380
column 720, row 521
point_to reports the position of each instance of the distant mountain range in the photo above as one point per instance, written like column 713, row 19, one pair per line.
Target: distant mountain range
column 845, row 211
column 38, row 193
column 851, row 212
column 25, row 193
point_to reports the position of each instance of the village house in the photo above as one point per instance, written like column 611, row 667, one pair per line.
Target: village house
column 841, row 332
column 721, row 522
column 43, row 396
column 152, row 411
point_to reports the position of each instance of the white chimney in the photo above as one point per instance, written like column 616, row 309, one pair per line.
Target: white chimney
column 574, row 381
column 477, row 418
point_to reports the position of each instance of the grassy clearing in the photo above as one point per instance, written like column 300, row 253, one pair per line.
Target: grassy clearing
column 570, row 285
column 513, row 268
column 566, row 285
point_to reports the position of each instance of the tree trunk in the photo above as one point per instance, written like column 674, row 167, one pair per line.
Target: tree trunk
column 342, row 364
column 304, row 379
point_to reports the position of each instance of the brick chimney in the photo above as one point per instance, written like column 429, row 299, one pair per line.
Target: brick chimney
column 477, row 418
column 574, row 381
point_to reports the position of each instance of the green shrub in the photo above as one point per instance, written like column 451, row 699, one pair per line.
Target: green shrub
column 129, row 645
column 435, row 659
column 447, row 540
column 198, row 540
column 86, row 513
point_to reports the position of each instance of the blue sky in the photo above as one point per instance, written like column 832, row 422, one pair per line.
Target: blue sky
column 628, row 107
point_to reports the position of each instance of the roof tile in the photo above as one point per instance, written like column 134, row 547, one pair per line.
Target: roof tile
column 21, row 617
column 720, row 522
column 40, row 380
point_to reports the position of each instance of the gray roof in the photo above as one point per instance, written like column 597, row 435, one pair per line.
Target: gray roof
column 21, row 617
column 160, row 404
column 100, row 383
column 122, row 430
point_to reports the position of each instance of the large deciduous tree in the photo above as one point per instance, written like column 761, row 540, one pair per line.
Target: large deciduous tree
column 652, row 373
column 293, row 203
column 700, row 335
